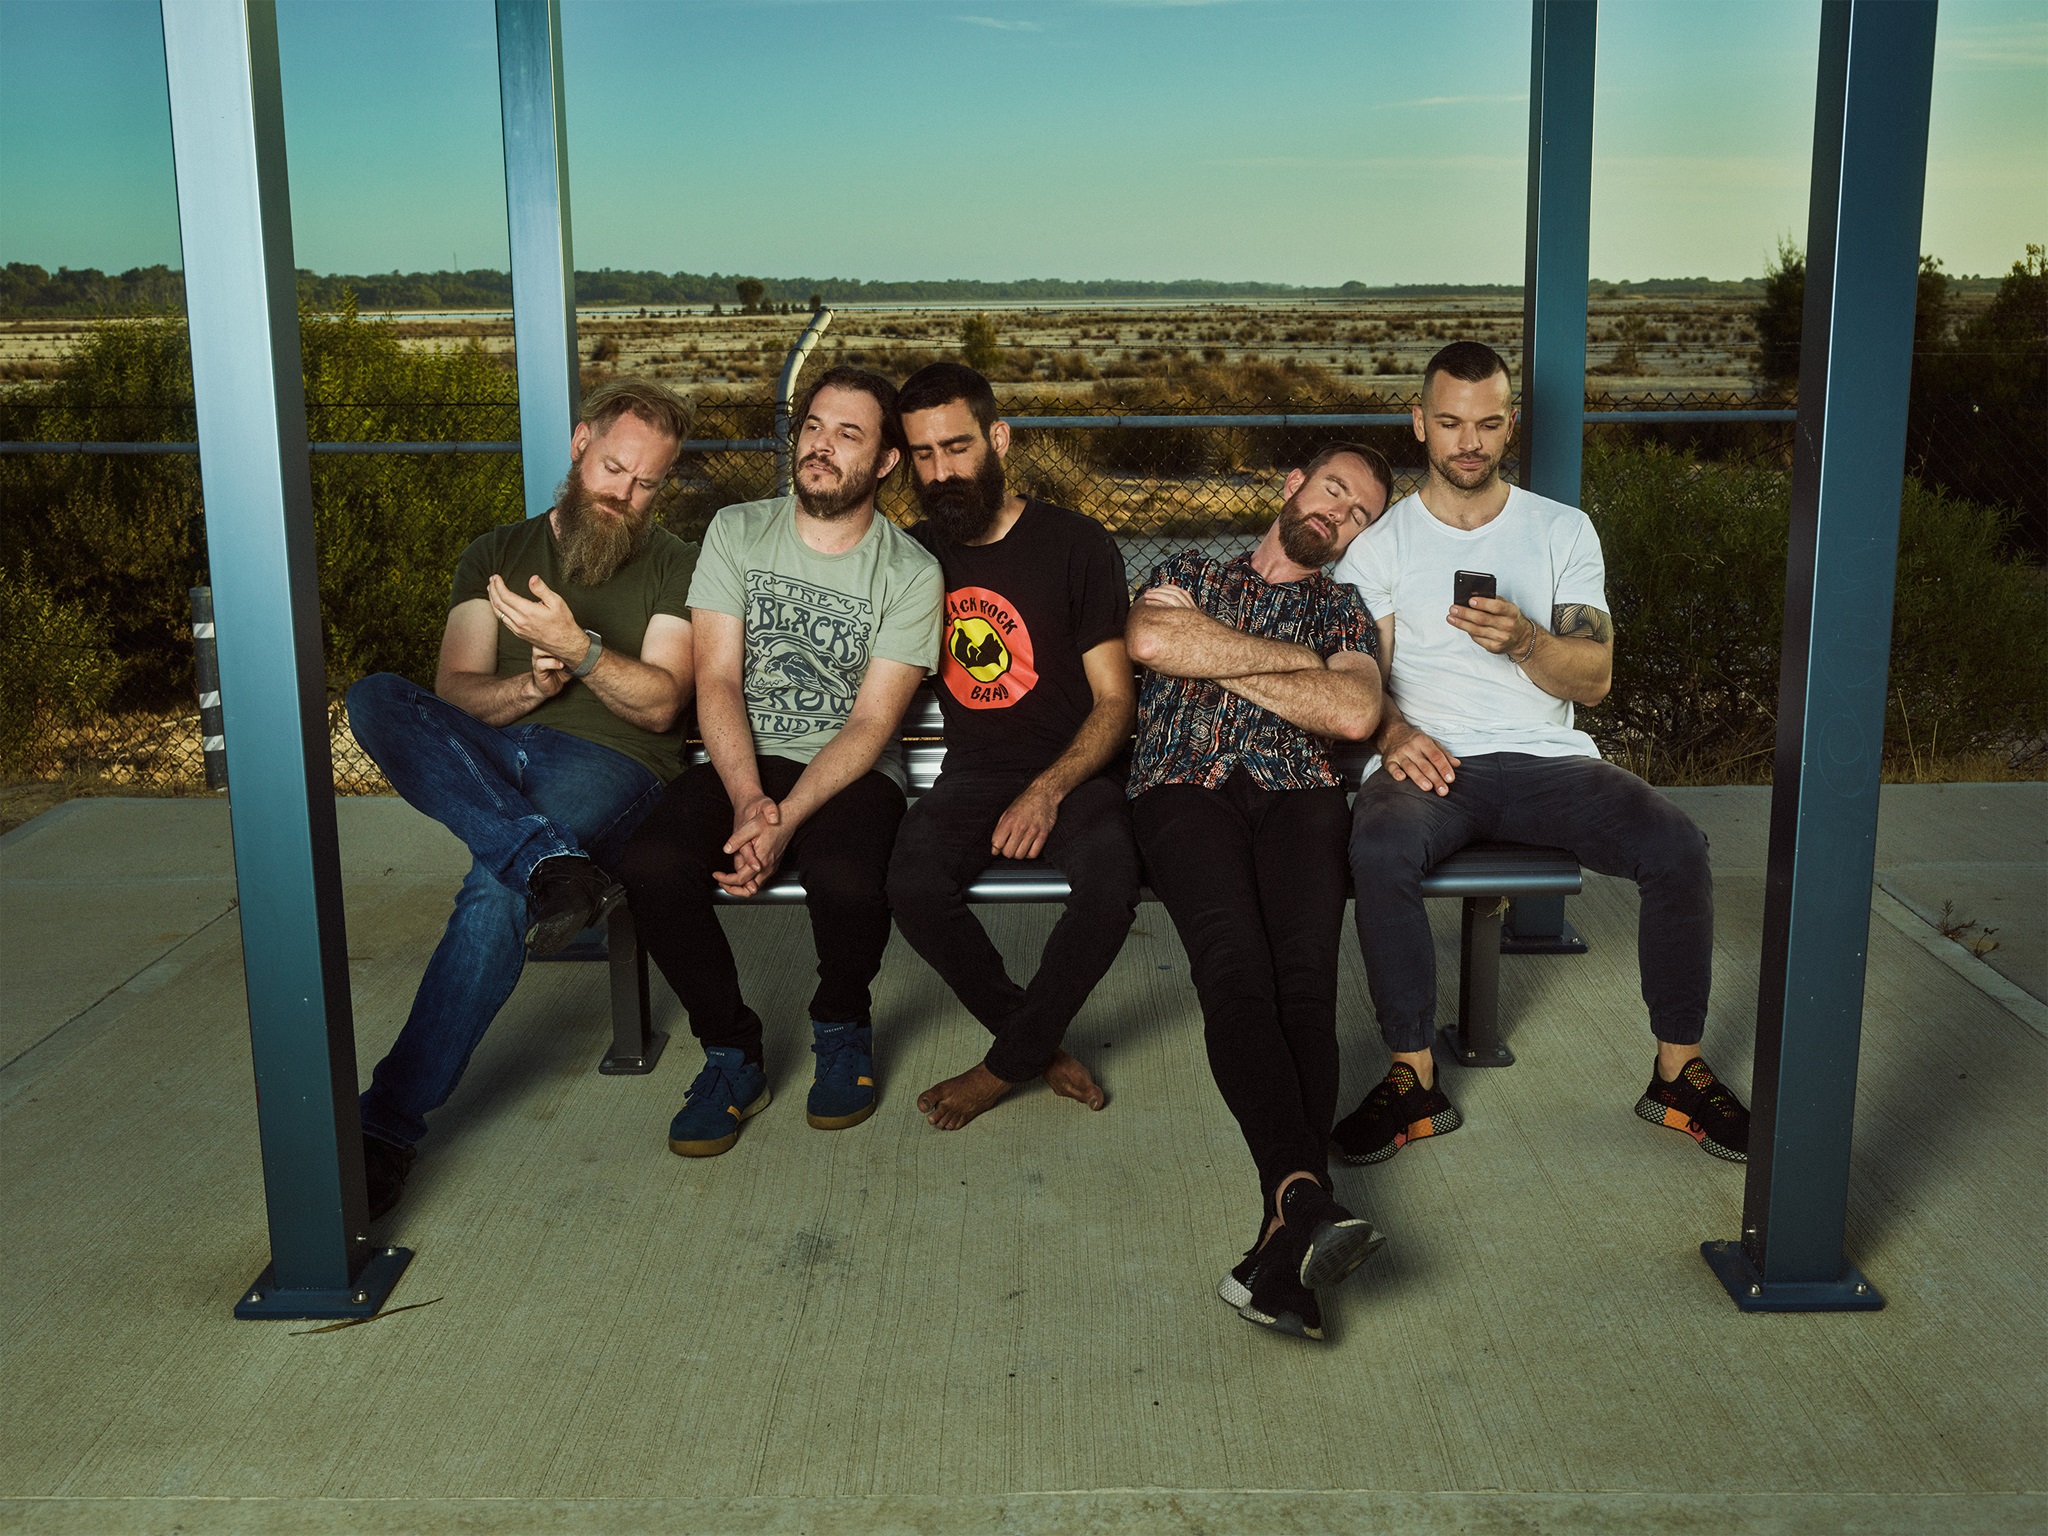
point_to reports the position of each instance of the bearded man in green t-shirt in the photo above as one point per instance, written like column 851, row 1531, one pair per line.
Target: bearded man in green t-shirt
column 815, row 620
column 554, row 720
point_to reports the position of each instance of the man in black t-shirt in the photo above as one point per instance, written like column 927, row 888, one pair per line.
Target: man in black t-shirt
column 1039, row 702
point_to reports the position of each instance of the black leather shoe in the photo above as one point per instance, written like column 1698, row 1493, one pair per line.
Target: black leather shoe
column 565, row 895
column 384, row 1169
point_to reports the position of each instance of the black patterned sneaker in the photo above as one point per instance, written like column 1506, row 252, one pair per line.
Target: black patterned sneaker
column 1398, row 1111
column 1236, row 1287
column 1702, row 1106
column 1278, row 1299
column 1332, row 1242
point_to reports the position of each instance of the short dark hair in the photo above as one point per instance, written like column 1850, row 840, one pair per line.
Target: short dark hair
column 656, row 404
column 868, row 382
column 938, row 384
column 1470, row 362
column 1374, row 461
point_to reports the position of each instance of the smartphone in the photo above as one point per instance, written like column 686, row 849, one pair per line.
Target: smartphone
column 1466, row 585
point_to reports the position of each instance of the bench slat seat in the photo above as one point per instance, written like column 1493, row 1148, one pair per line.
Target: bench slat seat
column 1486, row 877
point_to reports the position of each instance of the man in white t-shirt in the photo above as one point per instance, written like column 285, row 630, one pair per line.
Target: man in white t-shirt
column 1477, row 742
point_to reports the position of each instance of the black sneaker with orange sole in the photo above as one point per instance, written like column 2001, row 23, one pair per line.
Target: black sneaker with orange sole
column 1701, row 1105
column 1398, row 1111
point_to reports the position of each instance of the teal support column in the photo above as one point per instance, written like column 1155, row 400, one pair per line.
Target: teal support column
column 543, row 263
column 1554, row 275
column 1856, row 359
column 234, row 216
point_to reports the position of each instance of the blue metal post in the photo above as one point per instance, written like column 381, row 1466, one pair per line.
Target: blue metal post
column 1862, row 261
column 543, row 264
column 234, row 215
column 1562, row 36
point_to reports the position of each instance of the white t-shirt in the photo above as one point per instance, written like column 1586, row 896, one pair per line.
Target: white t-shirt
column 1542, row 554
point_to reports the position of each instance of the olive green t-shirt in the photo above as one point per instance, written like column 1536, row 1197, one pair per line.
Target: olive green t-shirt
column 657, row 581
column 813, row 622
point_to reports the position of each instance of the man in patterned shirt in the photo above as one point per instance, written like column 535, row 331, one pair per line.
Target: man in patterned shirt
column 1254, row 663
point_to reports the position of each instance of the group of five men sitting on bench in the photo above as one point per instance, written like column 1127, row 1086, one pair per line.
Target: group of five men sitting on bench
column 552, row 744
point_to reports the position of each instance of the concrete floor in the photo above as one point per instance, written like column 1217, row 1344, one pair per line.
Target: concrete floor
column 1010, row 1327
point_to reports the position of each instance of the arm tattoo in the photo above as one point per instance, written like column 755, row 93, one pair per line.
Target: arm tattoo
column 1581, row 621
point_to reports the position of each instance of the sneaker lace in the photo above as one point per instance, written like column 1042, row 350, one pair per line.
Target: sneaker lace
column 1714, row 1094
column 838, row 1053
column 713, row 1082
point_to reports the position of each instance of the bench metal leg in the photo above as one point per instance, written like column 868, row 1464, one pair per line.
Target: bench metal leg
column 636, row 1044
column 1476, row 1042
column 1536, row 925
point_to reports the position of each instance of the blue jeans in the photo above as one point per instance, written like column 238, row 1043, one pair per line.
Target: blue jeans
column 515, row 795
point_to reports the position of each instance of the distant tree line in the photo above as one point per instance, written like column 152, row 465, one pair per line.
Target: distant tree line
column 1977, row 416
column 27, row 290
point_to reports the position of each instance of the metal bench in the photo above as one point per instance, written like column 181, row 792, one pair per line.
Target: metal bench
column 1513, row 904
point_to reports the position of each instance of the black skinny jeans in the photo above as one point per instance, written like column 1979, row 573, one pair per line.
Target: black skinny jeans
column 1254, row 881
column 944, row 844
column 1609, row 819
column 842, row 853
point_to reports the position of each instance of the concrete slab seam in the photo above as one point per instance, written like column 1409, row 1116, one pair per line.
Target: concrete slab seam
column 2029, row 1010
column 28, row 1065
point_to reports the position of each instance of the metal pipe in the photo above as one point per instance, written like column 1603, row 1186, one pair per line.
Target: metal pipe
column 785, row 389
column 1562, row 46
column 206, row 674
column 248, row 381
column 536, row 139
column 1841, row 571
column 1081, row 423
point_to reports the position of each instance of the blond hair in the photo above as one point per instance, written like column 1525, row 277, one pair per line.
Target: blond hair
column 656, row 404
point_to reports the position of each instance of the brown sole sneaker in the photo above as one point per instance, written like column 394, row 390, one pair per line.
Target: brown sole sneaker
column 839, row 1122
column 718, row 1144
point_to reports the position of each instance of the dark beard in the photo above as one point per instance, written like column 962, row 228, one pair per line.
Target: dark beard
column 1463, row 479
column 1302, row 541
column 830, row 506
column 961, row 511
column 596, row 537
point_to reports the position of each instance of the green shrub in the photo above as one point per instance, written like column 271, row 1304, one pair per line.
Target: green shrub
column 1696, row 579
column 57, row 668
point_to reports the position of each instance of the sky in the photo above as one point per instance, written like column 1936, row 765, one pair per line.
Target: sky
column 1298, row 141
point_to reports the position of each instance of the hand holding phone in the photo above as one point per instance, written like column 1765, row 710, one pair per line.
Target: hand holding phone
column 1466, row 585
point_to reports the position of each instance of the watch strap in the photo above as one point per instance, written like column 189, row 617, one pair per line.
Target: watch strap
column 584, row 667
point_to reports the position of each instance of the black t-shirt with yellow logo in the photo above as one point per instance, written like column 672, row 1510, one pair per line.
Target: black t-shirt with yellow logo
column 1020, row 614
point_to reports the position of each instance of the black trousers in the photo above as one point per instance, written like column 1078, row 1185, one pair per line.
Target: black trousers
column 1254, row 881
column 842, row 853
column 1609, row 819
column 944, row 844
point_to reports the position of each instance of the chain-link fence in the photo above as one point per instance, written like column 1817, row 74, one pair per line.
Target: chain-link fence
column 106, row 689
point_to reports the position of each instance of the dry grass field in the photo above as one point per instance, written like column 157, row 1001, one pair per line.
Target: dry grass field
column 1635, row 343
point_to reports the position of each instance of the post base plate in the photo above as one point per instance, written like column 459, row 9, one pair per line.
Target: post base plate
column 266, row 1301
column 1731, row 1265
column 1448, row 1048
column 615, row 1065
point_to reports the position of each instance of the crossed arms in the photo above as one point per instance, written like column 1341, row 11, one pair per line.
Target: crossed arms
column 1339, row 698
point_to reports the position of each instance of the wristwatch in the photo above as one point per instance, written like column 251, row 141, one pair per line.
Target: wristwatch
column 584, row 667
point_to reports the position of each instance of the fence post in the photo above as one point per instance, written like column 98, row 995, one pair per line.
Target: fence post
column 785, row 391
column 536, row 127
column 1856, row 358
column 1563, row 34
column 206, row 673
column 241, row 294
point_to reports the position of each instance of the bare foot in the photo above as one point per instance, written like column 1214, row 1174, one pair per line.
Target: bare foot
column 1070, row 1080
column 951, row 1104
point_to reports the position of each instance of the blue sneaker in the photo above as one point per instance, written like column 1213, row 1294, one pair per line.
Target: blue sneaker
column 843, row 1091
column 726, row 1093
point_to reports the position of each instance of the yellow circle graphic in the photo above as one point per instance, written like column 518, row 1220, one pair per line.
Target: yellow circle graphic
column 979, row 649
